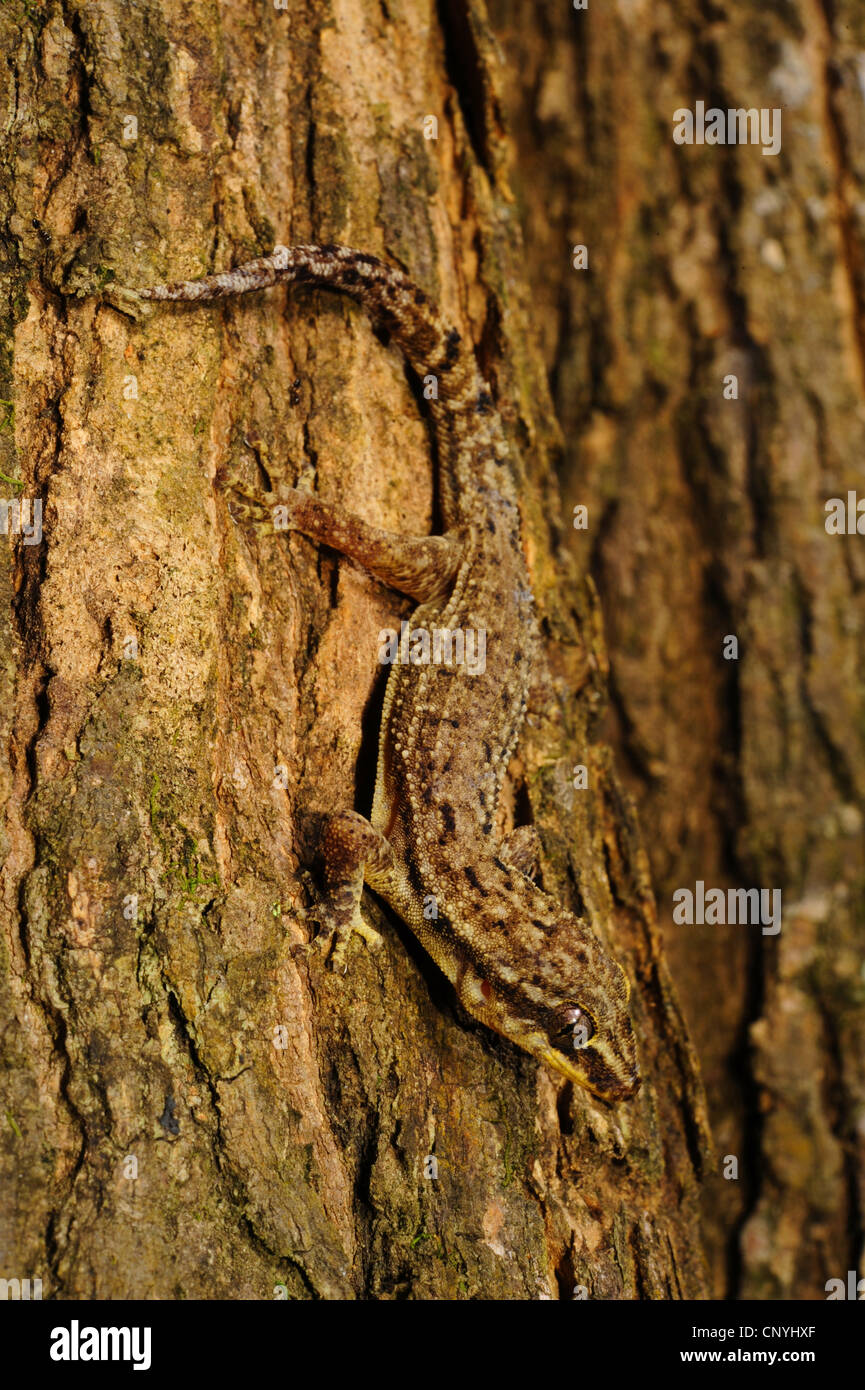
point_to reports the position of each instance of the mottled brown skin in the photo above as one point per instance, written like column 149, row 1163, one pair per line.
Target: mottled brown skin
column 520, row 963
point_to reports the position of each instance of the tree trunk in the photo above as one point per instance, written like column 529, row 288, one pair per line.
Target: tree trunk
column 193, row 1107
column 707, row 519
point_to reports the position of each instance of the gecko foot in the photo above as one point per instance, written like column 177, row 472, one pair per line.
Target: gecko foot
column 273, row 510
column 523, row 850
column 350, row 851
column 337, row 927
column 254, row 507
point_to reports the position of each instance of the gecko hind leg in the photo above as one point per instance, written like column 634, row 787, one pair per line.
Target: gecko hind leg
column 351, row 852
column 522, row 850
column 424, row 567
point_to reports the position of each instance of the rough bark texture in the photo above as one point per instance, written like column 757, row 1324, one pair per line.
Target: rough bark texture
column 159, row 663
column 706, row 519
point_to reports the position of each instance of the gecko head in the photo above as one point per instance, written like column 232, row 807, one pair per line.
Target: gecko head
column 569, row 1009
column 590, row 1038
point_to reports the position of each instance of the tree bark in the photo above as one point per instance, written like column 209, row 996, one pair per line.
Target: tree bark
column 193, row 1108
column 707, row 518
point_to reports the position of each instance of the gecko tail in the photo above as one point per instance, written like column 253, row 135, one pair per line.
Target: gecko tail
column 431, row 346
column 471, row 447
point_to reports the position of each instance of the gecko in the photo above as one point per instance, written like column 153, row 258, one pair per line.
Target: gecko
column 520, row 963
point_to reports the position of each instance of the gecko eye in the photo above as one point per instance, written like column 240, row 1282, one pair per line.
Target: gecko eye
column 575, row 1030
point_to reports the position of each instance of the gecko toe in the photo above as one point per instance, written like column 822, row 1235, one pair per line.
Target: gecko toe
column 248, row 506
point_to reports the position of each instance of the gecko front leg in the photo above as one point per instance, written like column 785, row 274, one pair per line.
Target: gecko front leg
column 423, row 567
column 351, row 852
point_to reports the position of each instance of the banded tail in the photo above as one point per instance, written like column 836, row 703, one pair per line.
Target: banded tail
column 463, row 411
